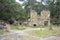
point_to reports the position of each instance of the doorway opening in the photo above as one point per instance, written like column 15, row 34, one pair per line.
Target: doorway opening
column 45, row 23
column 34, row 25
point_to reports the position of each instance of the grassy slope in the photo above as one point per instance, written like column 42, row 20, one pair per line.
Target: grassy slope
column 44, row 32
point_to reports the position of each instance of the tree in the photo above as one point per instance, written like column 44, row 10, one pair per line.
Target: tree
column 54, row 7
column 35, row 5
column 10, row 9
column 28, row 6
column 57, row 16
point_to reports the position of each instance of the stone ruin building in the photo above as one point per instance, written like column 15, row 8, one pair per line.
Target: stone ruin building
column 42, row 19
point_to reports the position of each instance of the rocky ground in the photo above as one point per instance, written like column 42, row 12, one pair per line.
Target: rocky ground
column 23, row 35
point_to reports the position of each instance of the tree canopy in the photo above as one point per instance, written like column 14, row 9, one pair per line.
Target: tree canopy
column 10, row 9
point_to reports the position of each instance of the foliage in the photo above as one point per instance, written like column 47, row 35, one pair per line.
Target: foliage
column 54, row 8
column 11, row 9
column 33, row 4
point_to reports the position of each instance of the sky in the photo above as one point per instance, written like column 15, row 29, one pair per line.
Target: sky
column 22, row 2
column 19, row 2
column 25, row 0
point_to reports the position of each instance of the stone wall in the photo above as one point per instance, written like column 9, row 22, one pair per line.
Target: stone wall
column 39, row 19
column 33, row 18
column 45, row 16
